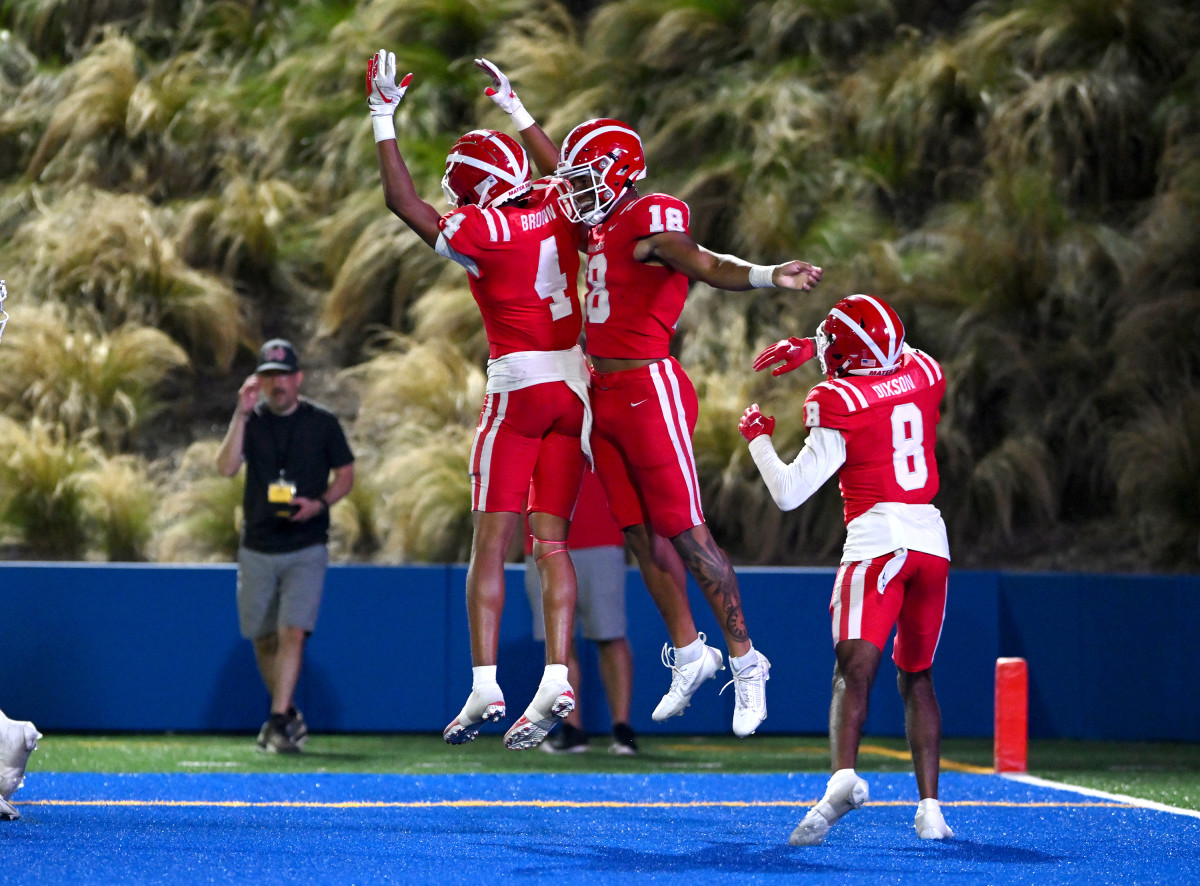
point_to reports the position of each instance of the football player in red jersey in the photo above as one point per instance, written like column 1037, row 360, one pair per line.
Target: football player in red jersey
column 874, row 423
column 641, row 260
column 521, row 260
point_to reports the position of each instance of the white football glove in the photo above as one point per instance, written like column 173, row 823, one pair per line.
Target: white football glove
column 383, row 95
column 501, row 92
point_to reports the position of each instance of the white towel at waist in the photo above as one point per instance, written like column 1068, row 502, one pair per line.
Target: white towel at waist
column 889, row 526
column 523, row 369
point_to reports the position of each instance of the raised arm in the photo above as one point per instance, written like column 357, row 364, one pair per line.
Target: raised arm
column 383, row 97
column 679, row 251
column 230, row 454
column 539, row 145
column 792, row 484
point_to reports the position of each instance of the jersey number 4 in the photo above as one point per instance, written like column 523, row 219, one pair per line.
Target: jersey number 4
column 551, row 282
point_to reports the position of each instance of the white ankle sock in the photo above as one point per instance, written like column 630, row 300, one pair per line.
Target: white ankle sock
column 691, row 652
column 554, row 673
column 741, row 662
column 484, row 675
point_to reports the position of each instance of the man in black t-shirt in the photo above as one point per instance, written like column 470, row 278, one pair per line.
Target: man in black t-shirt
column 289, row 445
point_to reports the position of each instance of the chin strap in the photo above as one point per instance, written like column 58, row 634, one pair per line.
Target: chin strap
column 560, row 547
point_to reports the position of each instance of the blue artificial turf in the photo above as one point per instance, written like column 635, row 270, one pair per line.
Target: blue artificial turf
column 194, row 828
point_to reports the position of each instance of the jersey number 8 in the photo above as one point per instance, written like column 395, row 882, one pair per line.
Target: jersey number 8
column 596, row 305
column 908, row 450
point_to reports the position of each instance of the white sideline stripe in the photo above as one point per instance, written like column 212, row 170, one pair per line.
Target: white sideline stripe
column 1092, row 792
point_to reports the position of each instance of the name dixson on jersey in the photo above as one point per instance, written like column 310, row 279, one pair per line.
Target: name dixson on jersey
column 892, row 387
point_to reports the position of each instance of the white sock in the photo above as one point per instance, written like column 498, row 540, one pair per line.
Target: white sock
column 554, row 673
column 834, row 777
column 691, row 652
column 484, row 675
column 741, row 662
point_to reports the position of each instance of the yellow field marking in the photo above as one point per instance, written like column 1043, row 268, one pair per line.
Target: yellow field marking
column 870, row 749
column 894, row 754
column 545, row 804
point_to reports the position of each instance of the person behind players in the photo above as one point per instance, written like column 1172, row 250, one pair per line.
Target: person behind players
column 874, row 423
column 640, row 263
column 290, row 446
column 521, row 261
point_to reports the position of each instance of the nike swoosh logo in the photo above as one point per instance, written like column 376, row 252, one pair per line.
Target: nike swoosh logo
column 639, row 402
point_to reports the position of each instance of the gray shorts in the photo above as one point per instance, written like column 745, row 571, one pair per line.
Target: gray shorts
column 600, row 606
column 280, row 590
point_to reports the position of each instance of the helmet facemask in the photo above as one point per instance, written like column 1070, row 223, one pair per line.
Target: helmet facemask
column 590, row 197
column 599, row 159
column 822, row 342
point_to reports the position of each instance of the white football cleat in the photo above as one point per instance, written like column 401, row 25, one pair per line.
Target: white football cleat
column 686, row 678
column 929, row 821
column 846, row 791
column 750, row 688
column 553, row 701
column 485, row 704
column 8, row 812
column 18, row 739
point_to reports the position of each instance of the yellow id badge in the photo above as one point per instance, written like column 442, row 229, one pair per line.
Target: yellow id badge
column 281, row 492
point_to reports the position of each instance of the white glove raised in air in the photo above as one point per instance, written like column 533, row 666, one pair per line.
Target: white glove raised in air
column 501, row 92
column 383, row 95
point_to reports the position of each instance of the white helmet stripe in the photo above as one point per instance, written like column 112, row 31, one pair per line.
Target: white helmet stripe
column 518, row 162
column 579, row 145
column 501, row 174
column 884, row 362
column 894, row 346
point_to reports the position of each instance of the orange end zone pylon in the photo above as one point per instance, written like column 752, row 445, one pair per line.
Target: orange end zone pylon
column 1012, row 714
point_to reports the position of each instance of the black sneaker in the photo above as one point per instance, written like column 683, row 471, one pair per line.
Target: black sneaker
column 273, row 737
column 624, row 742
column 296, row 728
column 565, row 740
column 261, row 741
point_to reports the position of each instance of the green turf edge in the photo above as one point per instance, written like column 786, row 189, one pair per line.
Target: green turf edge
column 1163, row 772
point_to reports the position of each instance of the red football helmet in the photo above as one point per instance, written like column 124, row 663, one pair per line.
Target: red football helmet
column 599, row 158
column 485, row 167
column 861, row 336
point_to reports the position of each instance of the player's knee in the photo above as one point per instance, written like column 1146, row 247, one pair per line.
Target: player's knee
column 857, row 663
column 910, row 682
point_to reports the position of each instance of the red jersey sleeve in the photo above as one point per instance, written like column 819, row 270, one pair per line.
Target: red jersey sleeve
column 825, row 407
column 654, row 214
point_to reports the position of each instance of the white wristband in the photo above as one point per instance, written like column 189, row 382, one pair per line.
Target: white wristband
column 521, row 118
column 761, row 276
column 384, row 128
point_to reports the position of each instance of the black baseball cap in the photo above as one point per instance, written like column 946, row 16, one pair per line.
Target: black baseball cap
column 278, row 355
